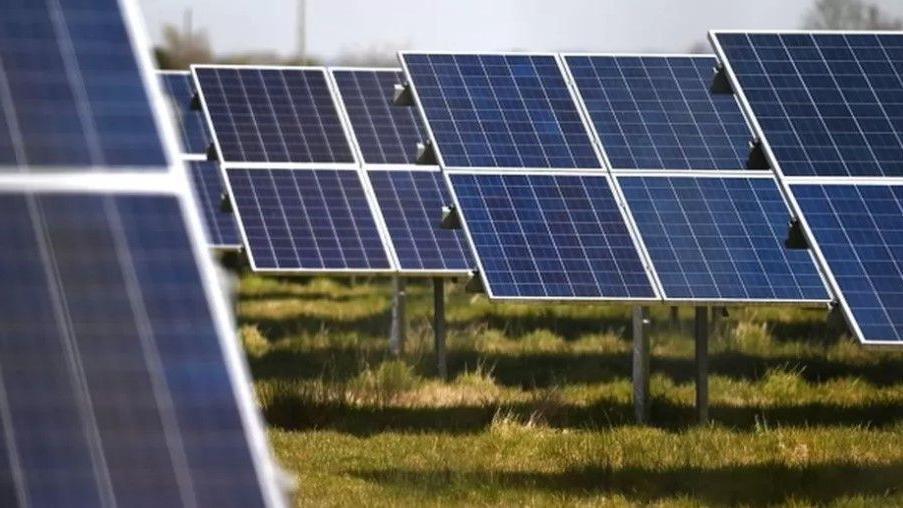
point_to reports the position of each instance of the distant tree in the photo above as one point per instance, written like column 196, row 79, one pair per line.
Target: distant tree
column 182, row 48
column 849, row 15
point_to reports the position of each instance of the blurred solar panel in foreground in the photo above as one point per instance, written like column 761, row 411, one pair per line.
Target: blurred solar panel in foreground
column 114, row 384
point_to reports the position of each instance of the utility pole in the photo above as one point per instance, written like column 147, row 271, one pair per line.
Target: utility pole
column 302, row 31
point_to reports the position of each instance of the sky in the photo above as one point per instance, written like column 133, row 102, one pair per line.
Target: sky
column 337, row 29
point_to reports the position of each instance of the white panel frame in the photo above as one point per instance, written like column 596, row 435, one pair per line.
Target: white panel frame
column 786, row 182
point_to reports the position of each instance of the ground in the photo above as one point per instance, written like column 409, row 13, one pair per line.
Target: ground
column 538, row 408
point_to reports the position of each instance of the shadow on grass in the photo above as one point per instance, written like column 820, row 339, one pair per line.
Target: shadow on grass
column 538, row 370
column 295, row 413
column 763, row 484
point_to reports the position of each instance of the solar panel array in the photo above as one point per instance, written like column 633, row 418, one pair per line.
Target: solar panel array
column 656, row 112
column 500, row 124
column 500, row 111
column 302, row 202
column 828, row 110
column 384, row 133
column 275, row 115
column 410, row 197
column 721, row 238
column 828, row 104
column 51, row 55
column 220, row 226
column 192, row 126
column 118, row 384
column 859, row 229
column 303, row 219
column 713, row 236
column 550, row 236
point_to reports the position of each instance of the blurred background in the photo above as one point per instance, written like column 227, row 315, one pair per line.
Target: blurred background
column 367, row 32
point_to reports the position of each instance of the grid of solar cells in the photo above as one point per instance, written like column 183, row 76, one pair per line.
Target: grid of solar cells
column 653, row 112
column 307, row 220
column 219, row 225
column 192, row 125
column 721, row 239
column 273, row 115
column 859, row 230
column 385, row 133
column 72, row 94
column 500, row 111
column 555, row 236
column 114, row 386
column 828, row 104
column 411, row 204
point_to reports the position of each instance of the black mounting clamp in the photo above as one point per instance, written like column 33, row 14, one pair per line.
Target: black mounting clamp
column 450, row 218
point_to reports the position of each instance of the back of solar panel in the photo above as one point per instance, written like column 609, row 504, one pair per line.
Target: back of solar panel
column 121, row 382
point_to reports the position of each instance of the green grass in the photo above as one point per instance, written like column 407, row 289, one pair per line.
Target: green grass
column 538, row 409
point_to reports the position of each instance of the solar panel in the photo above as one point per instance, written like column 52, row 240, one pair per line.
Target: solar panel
column 71, row 92
column 307, row 220
column 721, row 238
column 859, row 231
column 273, row 115
column 411, row 204
column 114, row 386
column 385, row 133
column 828, row 104
column 118, row 384
column 500, row 111
column 219, row 225
column 656, row 112
column 550, row 236
column 191, row 124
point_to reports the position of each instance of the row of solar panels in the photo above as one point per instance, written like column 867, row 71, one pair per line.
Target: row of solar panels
column 592, row 177
column 716, row 239
column 121, row 379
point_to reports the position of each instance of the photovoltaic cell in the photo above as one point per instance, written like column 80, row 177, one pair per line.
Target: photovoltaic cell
column 654, row 112
column 114, row 385
column 550, row 236
column 859, row 230
column 386, row 133
column 829, row 104
column 721, row 238
column 192, row 125
column 70, row 90
column 273, row 115
column 500, row 111
column 219, row 225
column 318, row 220
column 411, row 204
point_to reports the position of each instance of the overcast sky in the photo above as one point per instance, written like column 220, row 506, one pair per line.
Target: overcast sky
column 341, row 27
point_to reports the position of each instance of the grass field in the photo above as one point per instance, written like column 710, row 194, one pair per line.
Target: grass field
column 538, row 409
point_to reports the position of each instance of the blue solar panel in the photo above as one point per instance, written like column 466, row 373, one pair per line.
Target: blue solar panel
column 192, row 125
column 72, row 92
column 219, row 226
column 859, row 230
column 411, row 204
column 385, row 133
column 273, row 115
column 653, row 112
column 500, row 111
column 317, row 220
column 550, row 236
column 114, row 387
column 721, row 239
column 828, row 103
